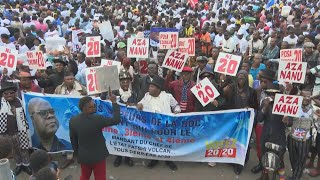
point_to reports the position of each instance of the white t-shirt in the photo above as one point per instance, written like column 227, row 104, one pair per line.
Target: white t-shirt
column 291, row 41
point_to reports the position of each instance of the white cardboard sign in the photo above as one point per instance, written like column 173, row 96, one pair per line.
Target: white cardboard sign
column 138, row 48
column 292, row 55
column 169, row 40
column 227, row 64
column 205, row 92
column 175, row 60
column 292, row 72
column 93, row 46
column 35, row 60
column 287, row 105
column 187, row 45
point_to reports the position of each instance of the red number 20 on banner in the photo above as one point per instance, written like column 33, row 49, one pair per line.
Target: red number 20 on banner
column 227, row 64
column 93, row 48
column 205, row 92
column 8, row 60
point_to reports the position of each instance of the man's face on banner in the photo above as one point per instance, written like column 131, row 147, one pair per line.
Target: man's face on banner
column 44, row 120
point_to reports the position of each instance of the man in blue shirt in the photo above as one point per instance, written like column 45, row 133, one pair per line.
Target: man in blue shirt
column 256, row 66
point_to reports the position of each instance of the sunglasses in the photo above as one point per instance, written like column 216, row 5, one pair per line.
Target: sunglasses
column 44, row 113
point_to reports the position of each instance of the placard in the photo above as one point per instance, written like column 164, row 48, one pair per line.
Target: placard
column 8, row 59
column 205, row 92
column 108, row 77
column 292, row 55
column 287, row 105
column 138, row 48
column 169, row 40
column 143, row 66
column 292, row 72
column 187, row 45
column 76, row 45
column 35, row 60
column 227, row 64
column 175, row 60
column 91, row 79
column 93, row 46
column 106, row 62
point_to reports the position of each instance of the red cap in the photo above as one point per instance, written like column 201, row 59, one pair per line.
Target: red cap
column 266, row 28
column 187, row 69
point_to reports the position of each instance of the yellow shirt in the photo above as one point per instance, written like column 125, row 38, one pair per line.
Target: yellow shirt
column 250, row 79
column 189, row 31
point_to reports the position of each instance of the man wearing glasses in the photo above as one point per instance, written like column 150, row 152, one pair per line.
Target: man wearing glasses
column 46, row 124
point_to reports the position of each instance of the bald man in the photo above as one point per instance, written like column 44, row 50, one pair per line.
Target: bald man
column 45, row 126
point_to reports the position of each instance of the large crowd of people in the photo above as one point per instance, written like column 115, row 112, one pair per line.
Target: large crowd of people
column 256, row 30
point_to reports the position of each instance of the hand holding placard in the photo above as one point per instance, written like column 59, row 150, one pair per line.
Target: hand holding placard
column 205, row 92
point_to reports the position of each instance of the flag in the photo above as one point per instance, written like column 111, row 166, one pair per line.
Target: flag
column 270, row 3
column 193, row 3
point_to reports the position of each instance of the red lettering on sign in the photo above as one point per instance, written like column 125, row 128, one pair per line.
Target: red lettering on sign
column 209, row 94
column 93, row 48
column 7, row 60
column 227, row 66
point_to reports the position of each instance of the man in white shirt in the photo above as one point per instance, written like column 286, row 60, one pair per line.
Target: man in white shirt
column 218, row 38
column 22, row 45
column 242, row 43
column 6, row 43
column 292, row 39
column 228, row 44
column 158, row 101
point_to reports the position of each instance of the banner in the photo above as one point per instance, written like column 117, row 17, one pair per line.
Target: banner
column 292, row 72
column 227, row 64
column 205, row 92
column 138, row 48
column 93, row 46
column 287, row 105
column 221, row 136
column 154, row 35
column 8, row 59
column 175, row 60
column 292, row 55
column 169, row 40
column 35, row 60
column 187, row 45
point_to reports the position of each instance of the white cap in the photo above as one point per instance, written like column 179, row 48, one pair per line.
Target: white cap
column 240, row 33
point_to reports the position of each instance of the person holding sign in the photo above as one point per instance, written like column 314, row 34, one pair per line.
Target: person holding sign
column 273, row 129
column 180, row 89
column 128, row 97
column 299, row 140
column 157, row 100
column 219, row 102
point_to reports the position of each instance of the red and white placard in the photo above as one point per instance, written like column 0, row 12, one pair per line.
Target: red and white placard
column 106, row 62
column 35, row 60
column 227, row 64
column 287, row 105
column 205, row 92
column 143, row 66
column 292, row 72
column 292, row 55
column 93, row 46
column 138, row 48
column 187, row 45
column 169, row 40
column 8, row 59
column 175, row 60
column 91, row 79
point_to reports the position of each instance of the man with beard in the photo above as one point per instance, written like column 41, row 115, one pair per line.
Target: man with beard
column 158, row 101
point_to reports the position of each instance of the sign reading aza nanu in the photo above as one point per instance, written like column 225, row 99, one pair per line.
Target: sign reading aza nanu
column 221, row 136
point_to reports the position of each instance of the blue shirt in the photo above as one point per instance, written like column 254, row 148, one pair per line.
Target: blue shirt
column 255, row 72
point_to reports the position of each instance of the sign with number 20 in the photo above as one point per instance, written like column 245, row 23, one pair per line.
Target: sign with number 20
column 93, row 46
column 205, row 92
column 227, row 64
